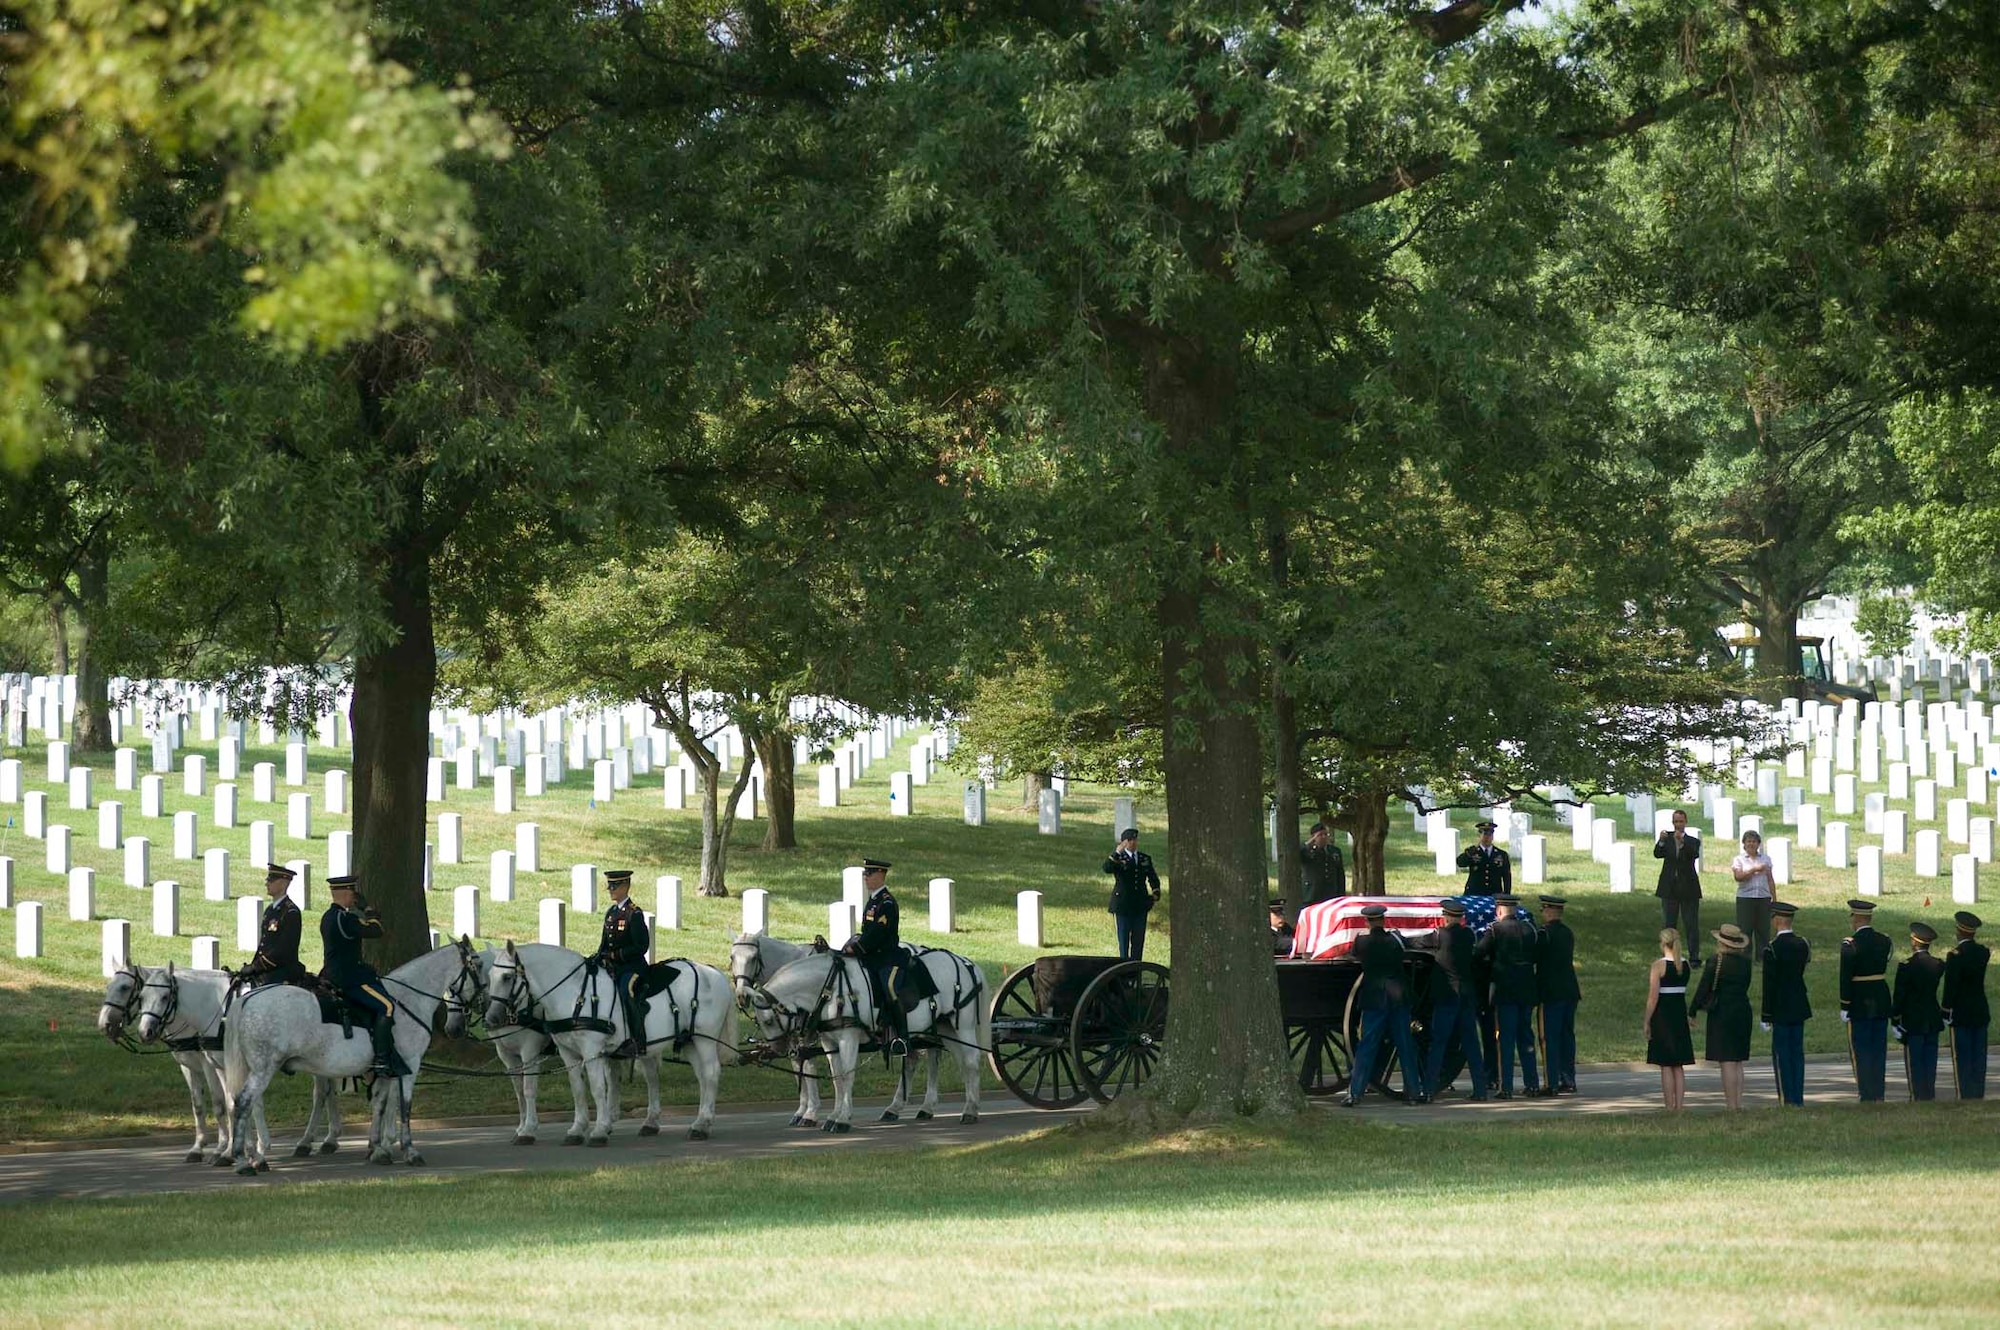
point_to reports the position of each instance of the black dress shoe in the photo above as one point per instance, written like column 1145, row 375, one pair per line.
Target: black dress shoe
column 1503, row 1096
column 1350, row 1103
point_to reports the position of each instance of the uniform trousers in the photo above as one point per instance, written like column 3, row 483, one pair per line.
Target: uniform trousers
column 1455, row 1023
column 1788, row 1062
column 1517, row 1035
column 1131, row 935
column 1559, row 1043
column 1868, row 1045
column 1920, row 1065
column 1968, row 1053
column 1395, row 1022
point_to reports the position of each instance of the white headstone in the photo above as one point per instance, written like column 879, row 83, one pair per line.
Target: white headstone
column 1767, row 786
column 299, row 816
column 82, row 883
column 667, row 898
column 902, row 796
column 249, row 922
column 166, row 909
column 1534, row 860
column 756, row 910
column 110, row 825
column 263, row 844
column 943, row 916
column 1979, row 839
column 115, row 946
column 1822, row 775
column 528, row 847
column 206, row 953
column 465, row 911
column 1929, row 850
column 466, row 768
column 1867, row 868
column 28, row 931
column 552, row 916
column 194, row 776
column 228, row 758
column 340, row 854
column 839, row 923
column 1583, row 828
column 336, row 794
column 583, row 888
column 58, row 763
column 1622, row 860
column 1957, row 816
column 1779, row 848
column 1444, row 853
column 1809, row 826
column 434, row 780
column 534, row 777
column 215, row 874
column 79, row 788
column 451, row 838
column 1725, row 819
column 1964, row 880
column 300, row 887
column 1603, row 835
column 601, row 780
column 225, row 807
column 187, row 835
column 1836, row 845
column 58, row 848
column 264, row 783
column 1050, row 820
column 1028, row 918
column 1895, row 831
column 34, row 814
column 125, row 769
column 500, row 875
column 853, row 889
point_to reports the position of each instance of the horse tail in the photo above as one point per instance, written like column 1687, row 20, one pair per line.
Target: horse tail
column 982, row 1005
column 721, row 999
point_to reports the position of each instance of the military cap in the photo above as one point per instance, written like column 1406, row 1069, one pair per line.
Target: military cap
column 1860, row 907
column 878, row 865
column 1507, row 900
column 617, row 877
column 1486, row 824
column 1967, row 920
column 1555, row 902
column 341, row 883
column 1454, row 908
column 1130, row 833
column 278, row 870
column 1278, row 906
column 1785, row 908
column 1922, row 932
column 1374, row 911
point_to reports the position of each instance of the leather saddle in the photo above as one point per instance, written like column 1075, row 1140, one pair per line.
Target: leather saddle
column 914, row 985
column 655, row 978
column 335, row 1009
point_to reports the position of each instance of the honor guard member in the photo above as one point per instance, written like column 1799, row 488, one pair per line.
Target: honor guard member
column 1556, row 986
column 879, row 948
column 1785, row 1007
column 348, row 921
column 1135, row 889
column 1282, row 932
column 1914, row 1011
column 1454, row 1001
column 1510, row 944
column 1864, row 1001
column 621, row 951
column 1488, row 870
column 1385, row 1009
column 277, row 958
column 1322, row 871
column 1965, row 1009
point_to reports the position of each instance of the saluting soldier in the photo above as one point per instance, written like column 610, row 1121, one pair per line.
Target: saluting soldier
column 1965, row 1009
column 1864, row 1001
column 1454, row 1001
column 879, row 948
column 1510, row 944
column 1488, row 870
column 1914, row 1011
column 1786, row 1007
column 278, row 932
column 342, row 929
column 1556, row 986
column 1135, row 889
column 1322, row 870
column 621, row 952
column 1384, row 1002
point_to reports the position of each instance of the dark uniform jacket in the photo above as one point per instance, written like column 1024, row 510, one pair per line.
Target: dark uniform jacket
column 1785, row 959
column 1322, row 872
column 1965, row 984
column 1555, row 965
column 881, row 931
column 340, row 935
column 1282, row 937
column 1677, row 876
column 623, row 943
column 1864, row 969
column 1451, row 979
column 1488, row 870
column 1134, row 882
column 277, row 958
column 1511, row 944
column 1914, row 1008
column 1384, row 985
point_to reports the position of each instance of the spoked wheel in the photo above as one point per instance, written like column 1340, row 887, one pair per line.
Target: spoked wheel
column 1031, row 1049
column 1320, row 1057
column 1120, row 1028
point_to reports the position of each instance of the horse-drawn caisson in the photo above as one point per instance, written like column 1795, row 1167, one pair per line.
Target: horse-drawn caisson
column 1070, row 1028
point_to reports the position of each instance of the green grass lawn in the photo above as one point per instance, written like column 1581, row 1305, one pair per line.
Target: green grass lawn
column 1811, row 1218
column 58, row 1078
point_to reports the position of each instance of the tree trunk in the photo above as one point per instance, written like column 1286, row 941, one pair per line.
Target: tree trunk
column 90, row 732
column 717, row 819
column 58, row 636
column 776, row 756
column 1285, row 791
column 1367, row 820
column 1778, row 661
column 1032, row 785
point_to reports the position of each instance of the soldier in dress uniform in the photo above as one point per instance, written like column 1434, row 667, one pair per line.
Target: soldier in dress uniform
column 1322, row 870
column 621, row 952
column 1135, row 890
column 1556, row 986
column 1510, row 944
column 1864, row 1001
column 1454, row 1001
column 1785, row 1006
column 1282, row 932
column 879, row 948
column 277, row 958
column 346, row 923
column 1488, row 870
column 1965, row 1009
column 1385, row 1009
column 1915, row 1014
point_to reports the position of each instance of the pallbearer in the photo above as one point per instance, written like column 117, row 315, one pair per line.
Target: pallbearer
column 1864, row 1001
column 1384, row 1001
column 1555, row 981
column 1510, row 944
column 1786, row 1008
column 1965, row 1009
column 1915, row 1014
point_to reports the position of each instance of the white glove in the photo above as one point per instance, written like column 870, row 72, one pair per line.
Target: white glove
column 1845, row 1018
column 1766, row 1025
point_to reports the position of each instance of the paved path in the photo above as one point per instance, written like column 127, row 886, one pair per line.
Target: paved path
column 762, row 1132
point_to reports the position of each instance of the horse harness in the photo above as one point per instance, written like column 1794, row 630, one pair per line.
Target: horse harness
column 195, row 1043
column 522, row 1009
column 804, row 1024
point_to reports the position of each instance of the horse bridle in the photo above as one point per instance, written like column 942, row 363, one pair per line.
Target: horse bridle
column 127, row 1012
column 468, row 969
column 172, row 985
column 522, row 1003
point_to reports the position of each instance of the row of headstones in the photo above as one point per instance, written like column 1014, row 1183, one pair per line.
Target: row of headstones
column 78, row 779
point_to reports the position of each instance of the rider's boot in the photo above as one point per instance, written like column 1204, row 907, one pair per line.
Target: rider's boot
column 388, row 1061
column 635, row 1028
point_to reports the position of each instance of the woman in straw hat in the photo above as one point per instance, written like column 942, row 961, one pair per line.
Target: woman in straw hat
column 1724, row 993
column 1668, row 1044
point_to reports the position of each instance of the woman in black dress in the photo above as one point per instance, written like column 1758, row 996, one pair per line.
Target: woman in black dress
column 1724, row 993
column 1669, row 1046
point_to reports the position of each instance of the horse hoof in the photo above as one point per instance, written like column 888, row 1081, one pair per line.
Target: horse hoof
column 808, row 1122
column 246, row 1170
column 572, row 1140
column 887, row 1116
column 598, row 1142
column 650, row 1129
column 923, row 1115
column 301, row 1150
column 263, row 1166
column 842, row 1128
column 697, row 1133
column 968, row 1118
column 524, row 1140
column 328, row 1147
column 380, row 1157
column 415, row 1160
column 222, row 1161
column 829, row 1127
column 194, row 1157
column 797, row 1119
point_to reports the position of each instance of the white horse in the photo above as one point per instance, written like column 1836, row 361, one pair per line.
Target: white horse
column 278, row 1028
column 753, row 958
column 519, row 1048
column 825, row 998
column 555, row 988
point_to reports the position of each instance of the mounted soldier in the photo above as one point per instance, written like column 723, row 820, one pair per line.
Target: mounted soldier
column 621, row 951
column 277, row 958
column 879, row 948
column 346, row 924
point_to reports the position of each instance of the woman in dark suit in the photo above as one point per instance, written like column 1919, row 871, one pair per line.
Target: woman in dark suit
column 1724, row 993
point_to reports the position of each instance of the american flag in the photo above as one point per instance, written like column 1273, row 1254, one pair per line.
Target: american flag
column 1328, row 930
